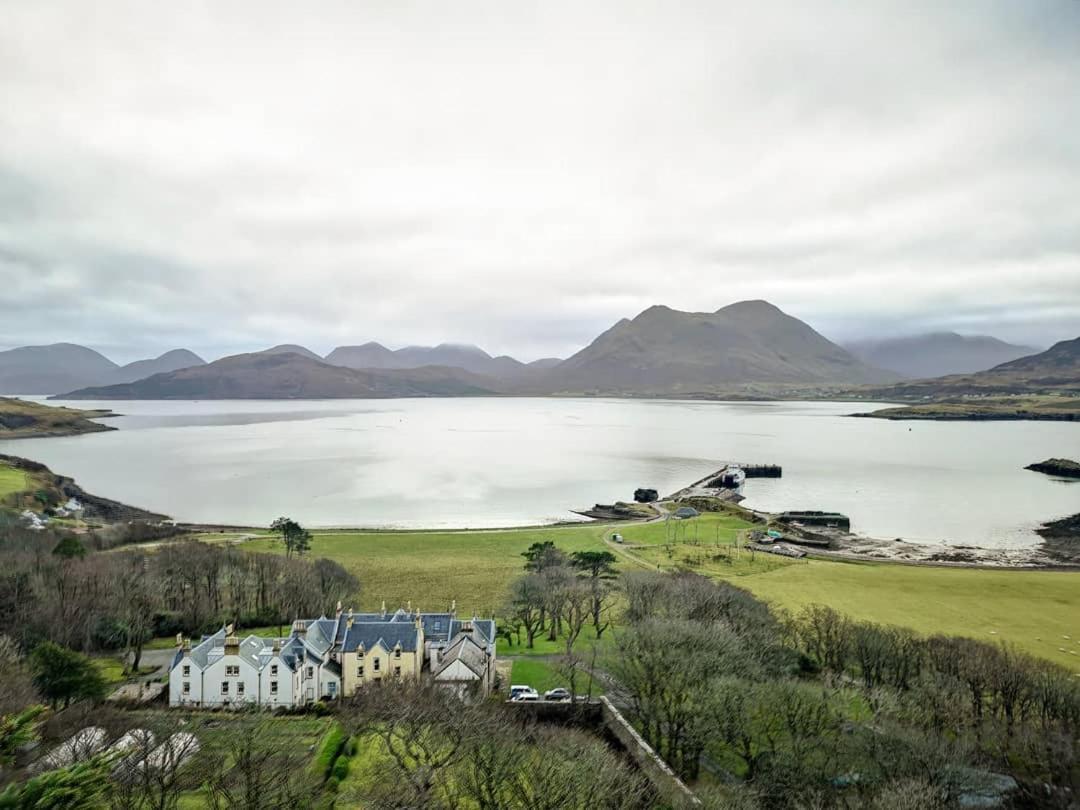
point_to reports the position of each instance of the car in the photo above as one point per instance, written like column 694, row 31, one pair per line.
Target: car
column 523, row 697
column 559, row 693
column 518, row 689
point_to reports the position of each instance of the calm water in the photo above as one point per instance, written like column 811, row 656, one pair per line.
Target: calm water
column 501, row 462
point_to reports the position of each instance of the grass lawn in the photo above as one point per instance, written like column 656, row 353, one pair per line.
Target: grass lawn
column 431, row 569
column 540, row 675
column 1038, row 611
column 12, row 480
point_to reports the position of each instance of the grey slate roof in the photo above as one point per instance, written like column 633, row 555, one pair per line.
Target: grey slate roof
column 465, row 650
column 443, row 620
column 371, row 633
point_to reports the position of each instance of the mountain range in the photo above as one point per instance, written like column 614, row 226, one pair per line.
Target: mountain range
column 749, row 349
column 67, row 366
column 1054, row 371
column 937, row 354
column 289, row 375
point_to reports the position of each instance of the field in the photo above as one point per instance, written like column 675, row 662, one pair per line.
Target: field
column 1038, row 611
column 11, row 480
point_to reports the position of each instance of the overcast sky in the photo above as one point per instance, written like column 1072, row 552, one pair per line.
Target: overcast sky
column 225, row 175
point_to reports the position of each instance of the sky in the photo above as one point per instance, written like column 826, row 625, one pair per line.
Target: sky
column 228, row 176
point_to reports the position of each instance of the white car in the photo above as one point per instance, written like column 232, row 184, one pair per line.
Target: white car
column 519, row 694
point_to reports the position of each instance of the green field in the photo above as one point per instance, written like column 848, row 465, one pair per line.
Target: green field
column 540, row 675
column 11, row 480
column 1035, row 610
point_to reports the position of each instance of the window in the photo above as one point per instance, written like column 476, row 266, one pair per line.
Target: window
column 331, row 689
column 232, row 671
column 397, row 672
column 360, row 671
column 273, row 669
column 311, row 672
column 273, row 687
column 187, row 670
column 224, row 687
column 240, row 688
column 375, row 664
column 397, row 653
column 187, row 687
column 438, row 625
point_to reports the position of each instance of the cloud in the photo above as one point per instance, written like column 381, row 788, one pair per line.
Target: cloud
column 519, row 175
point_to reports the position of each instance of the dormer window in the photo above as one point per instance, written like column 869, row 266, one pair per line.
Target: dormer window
column 438, row 625
column 397, row 653
column 273, row 669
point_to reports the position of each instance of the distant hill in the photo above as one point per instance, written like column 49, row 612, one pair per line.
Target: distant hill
column 667, row 352
column 49, row 369
column 369, row 355
column 450, row 355
column 170, row 361
column 1055, row 371
column 937, row 354
column 291, row 376
column 291, row 348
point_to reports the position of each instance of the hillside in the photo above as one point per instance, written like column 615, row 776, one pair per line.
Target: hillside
column 24, row 420
column 937, row 354
column 1053, row 372
column 1042, row 386
column 290, row 376
column 744, row 346
column 53, row 368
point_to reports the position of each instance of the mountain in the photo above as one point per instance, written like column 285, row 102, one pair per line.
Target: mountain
column 170, row 361
column 667, row 352
column 291, row 348
column 370, row 355
column 291, row 376
column 1055, row 371
column 48, row 369
column 450, row 355
column 937, row 354
column 1058, row 365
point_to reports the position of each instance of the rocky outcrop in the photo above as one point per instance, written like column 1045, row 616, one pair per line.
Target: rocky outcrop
column 1063, row 467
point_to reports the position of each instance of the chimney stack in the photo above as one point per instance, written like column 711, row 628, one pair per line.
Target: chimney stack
column 339, row 609
column 384, row 608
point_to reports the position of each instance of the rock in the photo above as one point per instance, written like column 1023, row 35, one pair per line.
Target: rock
column 1063, row 467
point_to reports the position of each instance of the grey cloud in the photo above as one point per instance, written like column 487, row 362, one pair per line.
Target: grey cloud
column 224, row 177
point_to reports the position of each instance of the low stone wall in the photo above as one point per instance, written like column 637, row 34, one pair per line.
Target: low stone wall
column 665, row 780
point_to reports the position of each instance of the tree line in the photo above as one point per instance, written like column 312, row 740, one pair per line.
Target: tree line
column 53, row 590
column 816, row 710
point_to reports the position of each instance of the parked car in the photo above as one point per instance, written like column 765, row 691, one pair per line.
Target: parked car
column 522, row 697
column 559, row 693
column 517, row 690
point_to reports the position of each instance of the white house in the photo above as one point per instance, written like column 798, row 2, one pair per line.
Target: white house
column 224, row 670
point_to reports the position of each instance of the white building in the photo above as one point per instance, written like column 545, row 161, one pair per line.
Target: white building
column 224, row 670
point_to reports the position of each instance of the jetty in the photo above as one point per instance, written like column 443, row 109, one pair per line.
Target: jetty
column 725, row 481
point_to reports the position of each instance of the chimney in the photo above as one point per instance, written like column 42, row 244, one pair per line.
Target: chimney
column 384, row 608
column 179, row 639
column 187, row 645
column 229, row 629
column 232, row 645
column 408, row 606
column 339, row 609
column 453, row 607
column 349, row 621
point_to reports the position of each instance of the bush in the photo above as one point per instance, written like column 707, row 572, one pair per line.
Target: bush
column 328, row 753
column 341, row 769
